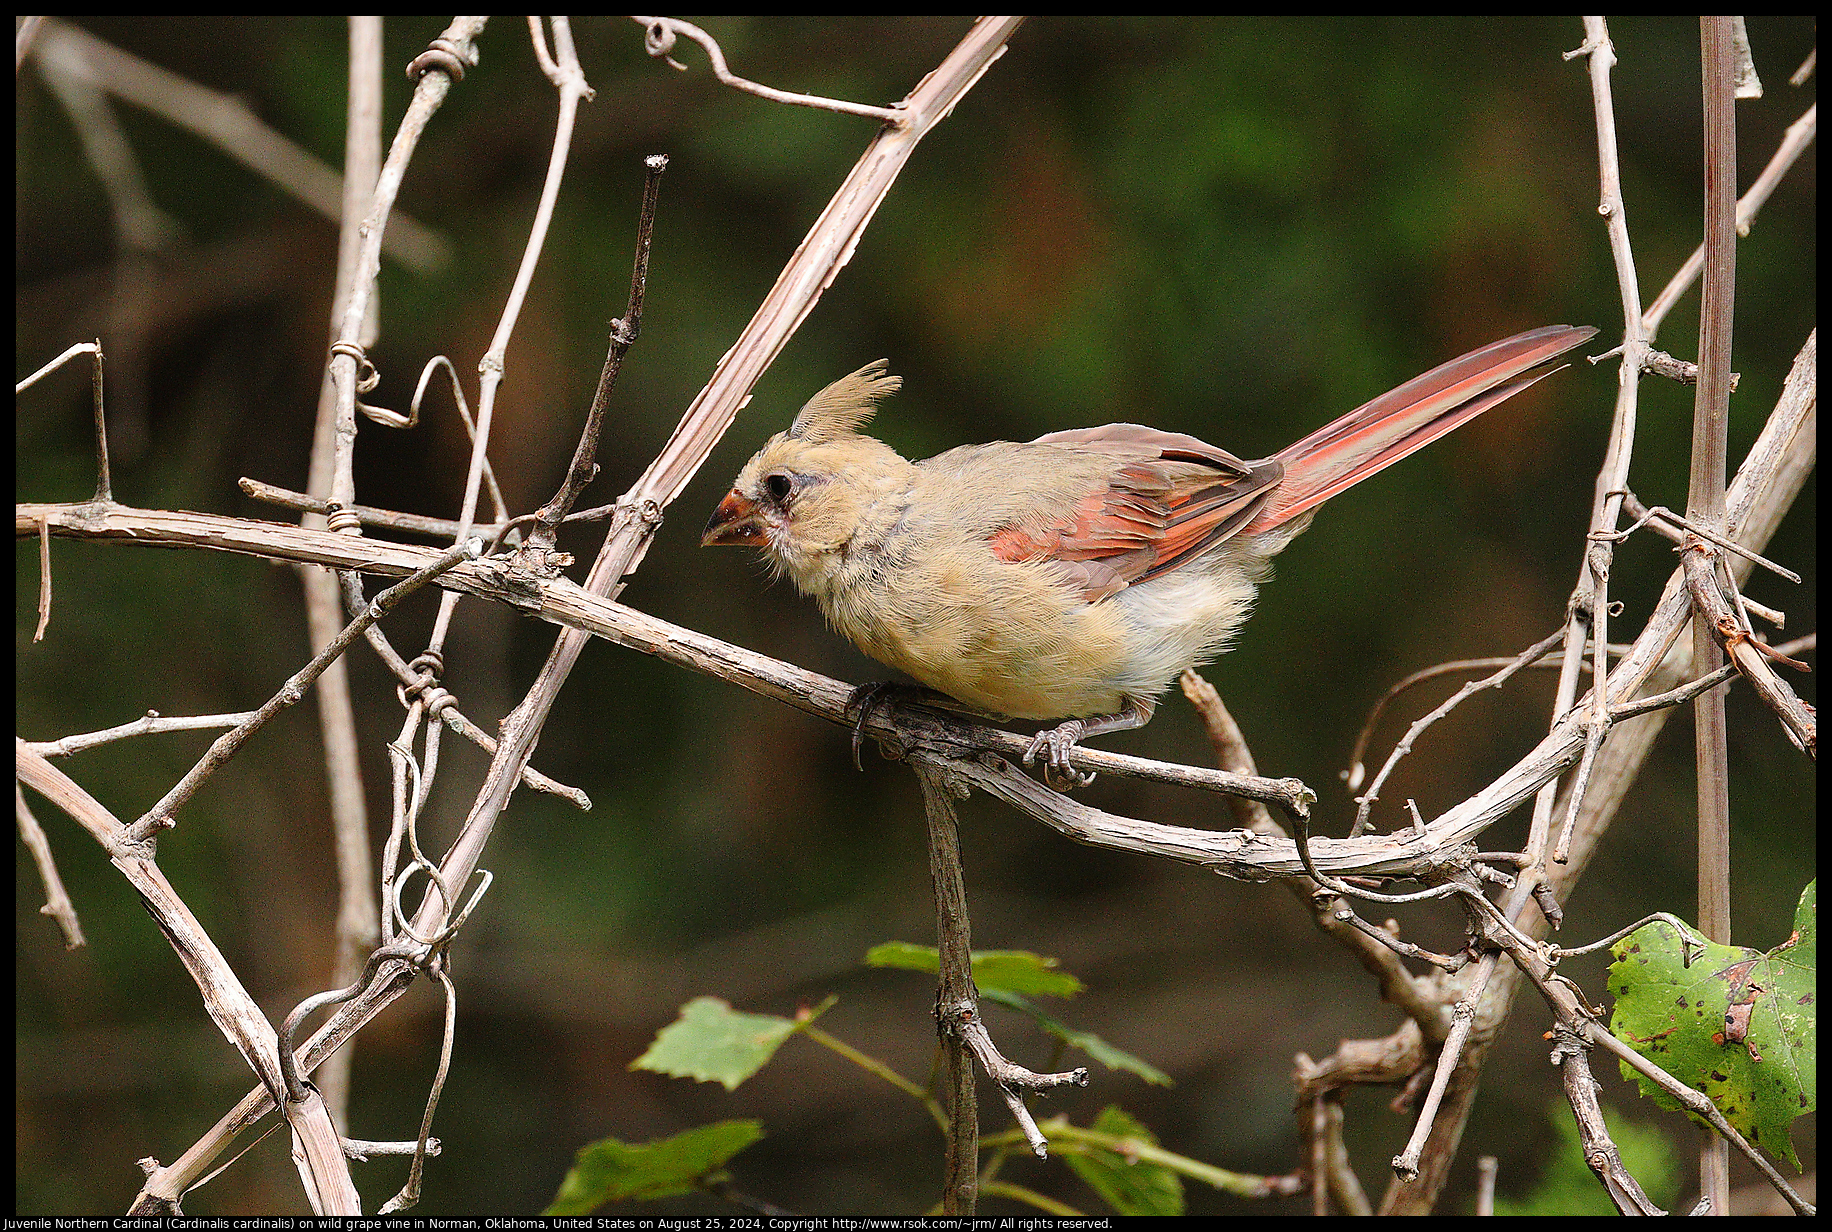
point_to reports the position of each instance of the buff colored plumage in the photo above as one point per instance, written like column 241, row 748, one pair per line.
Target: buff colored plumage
column 1074, row 576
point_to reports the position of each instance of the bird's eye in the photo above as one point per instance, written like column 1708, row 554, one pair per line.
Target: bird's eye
column 778, row 486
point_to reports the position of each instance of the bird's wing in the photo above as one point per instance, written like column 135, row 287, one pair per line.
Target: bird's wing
column 1160, row 499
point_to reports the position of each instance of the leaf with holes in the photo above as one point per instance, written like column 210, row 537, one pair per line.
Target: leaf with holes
column 1736, row 1024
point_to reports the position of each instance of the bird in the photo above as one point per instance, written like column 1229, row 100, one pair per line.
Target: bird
column 1070, row 579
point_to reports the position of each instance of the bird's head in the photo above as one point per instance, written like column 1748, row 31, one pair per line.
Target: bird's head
column 802, row 496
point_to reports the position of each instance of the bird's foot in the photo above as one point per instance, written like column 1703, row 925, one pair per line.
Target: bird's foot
column 866, row 699
column 1055, row 744
column 1059, row 741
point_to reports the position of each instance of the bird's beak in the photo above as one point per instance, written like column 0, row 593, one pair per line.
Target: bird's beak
column 734, row 522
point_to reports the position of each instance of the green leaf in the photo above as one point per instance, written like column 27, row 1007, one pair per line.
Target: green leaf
column 712, row 1042
column 1022, row 972
column 904, row 955
column 1127, row 1185
column 1002, row 975
column 1010, row 970
column 610, row 1171
column 1086, row 1041
column 1736, row 1024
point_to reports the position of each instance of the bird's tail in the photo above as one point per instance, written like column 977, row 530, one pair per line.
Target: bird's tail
column 1375, row 436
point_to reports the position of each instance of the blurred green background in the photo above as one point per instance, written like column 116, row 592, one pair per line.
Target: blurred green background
column 1234, row 228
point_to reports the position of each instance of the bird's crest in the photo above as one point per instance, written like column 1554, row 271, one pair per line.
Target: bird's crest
column 843, row 407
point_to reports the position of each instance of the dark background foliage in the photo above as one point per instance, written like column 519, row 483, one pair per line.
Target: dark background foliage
column 1235, row 228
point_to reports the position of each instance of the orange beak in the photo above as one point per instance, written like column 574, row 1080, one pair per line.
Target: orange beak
column 734, row 523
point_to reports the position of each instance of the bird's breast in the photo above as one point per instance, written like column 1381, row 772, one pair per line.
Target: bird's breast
column 1008, row 638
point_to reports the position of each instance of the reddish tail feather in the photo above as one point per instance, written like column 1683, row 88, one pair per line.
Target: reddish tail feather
column 1373, row 437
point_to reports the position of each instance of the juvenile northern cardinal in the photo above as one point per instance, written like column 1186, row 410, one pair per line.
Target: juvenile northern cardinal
column 1076, row 576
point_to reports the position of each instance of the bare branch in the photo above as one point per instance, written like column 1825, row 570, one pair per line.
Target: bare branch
column 226, row 121
column 159, row 817
column 320, row 1156
column 624, row 331
column 57, row 899
column 658, row 40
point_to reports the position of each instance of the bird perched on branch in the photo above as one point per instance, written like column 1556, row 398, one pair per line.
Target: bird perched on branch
column 1075, row 576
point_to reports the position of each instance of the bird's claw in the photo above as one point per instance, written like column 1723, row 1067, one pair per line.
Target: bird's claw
column 1059, row 741
column 867, row 697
